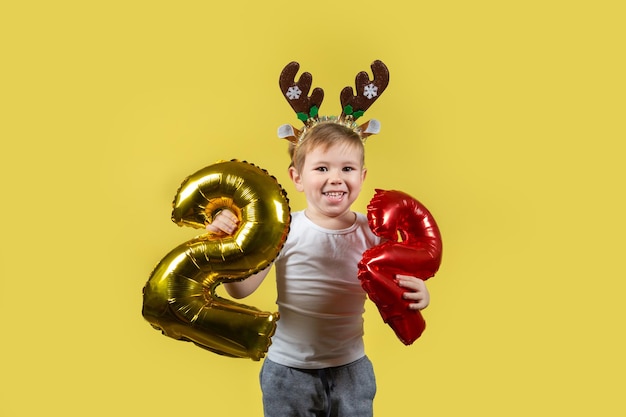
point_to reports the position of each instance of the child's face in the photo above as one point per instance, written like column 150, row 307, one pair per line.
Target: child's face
column 331, row 179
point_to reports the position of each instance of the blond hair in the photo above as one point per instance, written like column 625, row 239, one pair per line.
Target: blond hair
column 324, row 135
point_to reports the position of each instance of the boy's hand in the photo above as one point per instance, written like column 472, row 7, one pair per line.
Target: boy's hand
column 419, row 294
column 224, row 223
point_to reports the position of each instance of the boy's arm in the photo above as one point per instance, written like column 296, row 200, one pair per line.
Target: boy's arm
column 246, row 287
column 226, row 223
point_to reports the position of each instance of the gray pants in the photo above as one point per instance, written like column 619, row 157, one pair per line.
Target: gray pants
column 342, row 391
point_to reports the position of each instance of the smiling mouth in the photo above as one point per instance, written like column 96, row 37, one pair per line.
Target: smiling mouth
column 334, row 194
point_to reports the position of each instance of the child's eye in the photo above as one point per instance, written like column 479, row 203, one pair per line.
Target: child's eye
column 348, row 169
column 321, row 169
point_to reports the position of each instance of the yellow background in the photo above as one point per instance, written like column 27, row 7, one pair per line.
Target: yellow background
column 505, row 118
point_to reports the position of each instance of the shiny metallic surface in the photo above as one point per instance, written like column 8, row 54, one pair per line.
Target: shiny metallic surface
column 179, row 298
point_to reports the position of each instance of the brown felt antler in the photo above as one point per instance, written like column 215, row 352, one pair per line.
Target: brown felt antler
column 367, row 91
column 353, row 106
column 297, row 92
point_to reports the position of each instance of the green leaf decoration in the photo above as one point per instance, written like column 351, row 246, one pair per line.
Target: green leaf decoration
column 358, row 114
column 314, row 111
column 303, row 116
column 348, row 110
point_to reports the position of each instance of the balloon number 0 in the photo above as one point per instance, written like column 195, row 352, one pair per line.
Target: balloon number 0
column 412, row 247
column 179, row 298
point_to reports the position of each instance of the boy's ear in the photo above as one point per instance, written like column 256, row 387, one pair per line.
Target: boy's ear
column 296, row 178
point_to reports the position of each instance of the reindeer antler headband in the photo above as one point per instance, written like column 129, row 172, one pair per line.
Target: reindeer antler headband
column 353, row 106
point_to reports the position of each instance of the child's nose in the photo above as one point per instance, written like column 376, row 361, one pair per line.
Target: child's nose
column 336, row 178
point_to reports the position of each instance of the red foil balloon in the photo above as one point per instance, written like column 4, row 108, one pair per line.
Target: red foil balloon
column 412, row 247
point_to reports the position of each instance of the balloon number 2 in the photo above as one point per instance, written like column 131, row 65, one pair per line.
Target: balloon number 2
column 179, row 298
column 412, row 247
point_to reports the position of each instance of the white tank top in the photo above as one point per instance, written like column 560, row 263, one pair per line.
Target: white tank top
column 320, row 299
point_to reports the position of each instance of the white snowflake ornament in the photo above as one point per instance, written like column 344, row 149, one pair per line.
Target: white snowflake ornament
column 293, row 93
column 370, row 91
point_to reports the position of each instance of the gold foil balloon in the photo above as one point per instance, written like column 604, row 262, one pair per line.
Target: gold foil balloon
column 179, row 298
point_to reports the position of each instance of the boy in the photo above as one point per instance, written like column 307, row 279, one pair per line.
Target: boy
column 316, row 364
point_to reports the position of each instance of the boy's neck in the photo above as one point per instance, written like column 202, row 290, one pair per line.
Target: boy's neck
column 343, row 221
